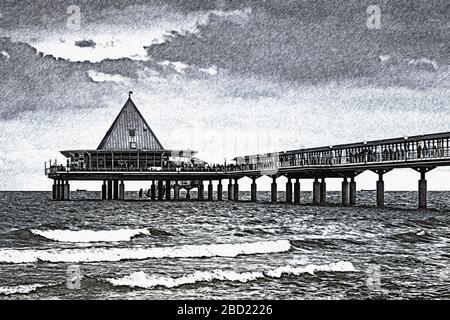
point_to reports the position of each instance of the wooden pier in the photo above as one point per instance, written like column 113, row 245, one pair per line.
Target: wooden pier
column 131, row 151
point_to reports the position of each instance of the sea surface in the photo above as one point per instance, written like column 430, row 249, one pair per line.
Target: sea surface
column 138, row 249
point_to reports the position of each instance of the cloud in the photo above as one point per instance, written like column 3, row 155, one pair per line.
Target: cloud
column 211, row 70
column 104, row 77
column 176, row 65
column 304, row 42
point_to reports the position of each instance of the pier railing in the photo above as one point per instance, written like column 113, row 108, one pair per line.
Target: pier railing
column 61, row 168
column 402, row 152
column 306, row 162
column 339, row 161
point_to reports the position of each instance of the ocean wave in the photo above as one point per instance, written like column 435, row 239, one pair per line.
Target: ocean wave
column 141, row 253
column 91, row 235
column 20, row 289
column 24, row 235
column 321, row 242
column 143, row 280
column 414, row 236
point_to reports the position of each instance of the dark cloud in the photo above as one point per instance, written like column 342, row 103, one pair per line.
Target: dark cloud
column 85, row 43
column 33, row 81
column 311, row 42
column 275, row 41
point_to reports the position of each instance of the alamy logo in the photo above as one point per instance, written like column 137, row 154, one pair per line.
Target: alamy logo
column 374, row 19
column 73, row 277
column 74, row 19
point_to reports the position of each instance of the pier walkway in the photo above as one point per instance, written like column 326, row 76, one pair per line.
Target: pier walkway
column 131, row 151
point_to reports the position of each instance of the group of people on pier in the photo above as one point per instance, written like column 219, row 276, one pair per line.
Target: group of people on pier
column 338, row 156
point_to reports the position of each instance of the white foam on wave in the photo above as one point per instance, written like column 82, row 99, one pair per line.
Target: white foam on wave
column 341, row 266
column 143, row 280
column 20, row 289
column 140, row 253
column 90, row 235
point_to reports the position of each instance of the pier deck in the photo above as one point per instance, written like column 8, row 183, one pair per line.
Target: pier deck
column 131, row 151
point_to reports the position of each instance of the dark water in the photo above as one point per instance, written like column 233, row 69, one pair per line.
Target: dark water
column 192, row 250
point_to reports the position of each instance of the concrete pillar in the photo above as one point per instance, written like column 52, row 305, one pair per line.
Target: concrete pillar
column 122, row 190
column 160, row 191
column 297, row 191
column 352, row 191
column 201, row 191
column 323, row 191
column 66, row 188
column 230, row 189
column 54, row 190
column 316, row 191
column 176, row 191
column 380, row 190
column 345, row 192
column 60, row 194
column 219, row 191
column 422, row 191
column 153, row 191
column 167, row 189
column 116, row 190
column 236, row 190
column 110, row 190
column 273, row 189
column 210, row 191
column 253, row 190
column 104, row 190
column 289, row 191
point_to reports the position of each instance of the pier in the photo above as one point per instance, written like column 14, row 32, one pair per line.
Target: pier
column 131, row 151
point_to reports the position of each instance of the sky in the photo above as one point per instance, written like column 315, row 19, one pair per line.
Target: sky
column 225, row 78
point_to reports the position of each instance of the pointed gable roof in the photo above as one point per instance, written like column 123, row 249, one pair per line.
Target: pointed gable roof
column 119, row 136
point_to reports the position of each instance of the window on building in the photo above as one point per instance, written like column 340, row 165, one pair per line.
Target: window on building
column 132, row 132
column 145, row 129
column 132, row 145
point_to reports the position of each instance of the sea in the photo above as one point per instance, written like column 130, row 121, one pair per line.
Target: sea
column 87, row 248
